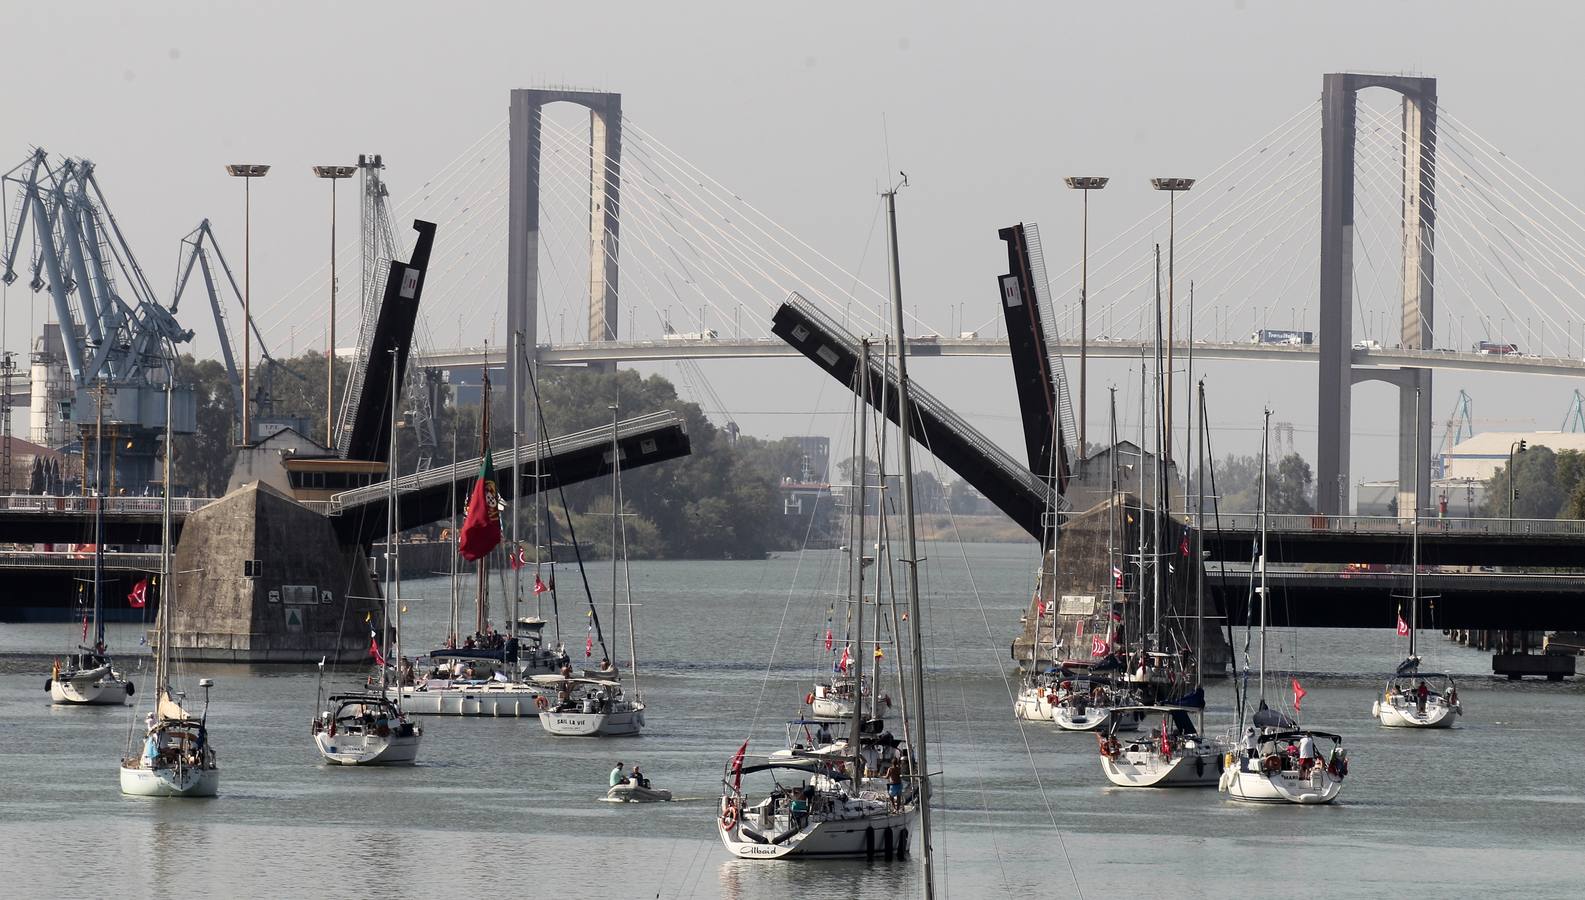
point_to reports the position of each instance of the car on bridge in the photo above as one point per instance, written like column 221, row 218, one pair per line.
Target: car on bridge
column 1496, row 348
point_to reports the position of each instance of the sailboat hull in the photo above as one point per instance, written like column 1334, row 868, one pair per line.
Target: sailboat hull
column 1033, row 706
column 486, row 700
column 1437, row 715
column 1193, row 768
column 368, row 749
column 1280, row 787
column 581, row 724
column 858, row 836
column 169, row 781
column 97, row 692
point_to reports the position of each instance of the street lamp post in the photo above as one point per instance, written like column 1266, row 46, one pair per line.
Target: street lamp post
column 1085, row 183
column 247, row 172
column 1172, row 186
column 1513, row 448
column 334, row 174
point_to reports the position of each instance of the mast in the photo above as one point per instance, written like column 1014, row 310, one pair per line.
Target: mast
column 1198, row 570
column 1139, row 475
column 481, row 605
column 166, row 594
column 616, row 519
column 390, row 535
column 880, row 538
column 1157, row 469
column 99, row 519
column 1414, row 542
column 854, row 741
column 1265, row 439
column 1111, row 518
column 456, row 547
column 517, row 483
column 905, row 445
column 539, row 601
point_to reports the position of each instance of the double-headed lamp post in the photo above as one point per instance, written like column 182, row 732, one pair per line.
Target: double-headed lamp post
column 247, row 172
column 1085, row 183
column 1514, row 448
column 335, row 174
column 1172, row 186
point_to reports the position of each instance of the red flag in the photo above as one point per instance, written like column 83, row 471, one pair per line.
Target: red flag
column 1117, row 576
column 374, row 650
column 846, row 658
column 1298, row 693
column 588, row 644
column 85, row 625
column 1099, row 646
column 518, row 557
column 1403, row 627
column 828, row 638
column 539, row 586
column 139, row 595
column 481, row 529
column 737, row 766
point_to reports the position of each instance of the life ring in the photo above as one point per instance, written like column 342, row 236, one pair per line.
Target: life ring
column 728, row 814
column 809, row 698
column 541, row 703
column 1271, row 764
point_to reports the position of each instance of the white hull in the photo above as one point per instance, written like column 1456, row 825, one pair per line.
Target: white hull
column 99, row 692
column 627, row 793
column 169, row 781
column 582, row 724
column 504, row 700
column 368, row 749
column 1200, row 767
column 830, row 708
column 1437, row 715
column 1093, row 718
column 1280, row 787
column 860, row 835
column 1032, row 706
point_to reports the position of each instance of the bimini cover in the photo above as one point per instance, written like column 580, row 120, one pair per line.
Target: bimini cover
column 1266, row 717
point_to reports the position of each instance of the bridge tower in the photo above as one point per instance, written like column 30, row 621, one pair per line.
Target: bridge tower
column 605, row 184
column 1339, row 99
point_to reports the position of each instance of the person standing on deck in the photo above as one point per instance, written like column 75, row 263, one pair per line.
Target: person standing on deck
column 617, row 775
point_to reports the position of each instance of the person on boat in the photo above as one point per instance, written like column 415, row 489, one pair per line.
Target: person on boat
column 894, row 783
column 605, row 664
column 638, row 778
column 798, row 808
column 871, row 757
column 468, row 644
column 1421, row 695
column 1306, row 755
column 617, row 775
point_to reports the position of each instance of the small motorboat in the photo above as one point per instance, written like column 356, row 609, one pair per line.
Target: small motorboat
column 630, row 791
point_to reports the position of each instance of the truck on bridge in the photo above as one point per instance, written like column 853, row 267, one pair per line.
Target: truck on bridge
column 1274, row 336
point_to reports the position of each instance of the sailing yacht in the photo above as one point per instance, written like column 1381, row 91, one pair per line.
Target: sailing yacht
column 175, row 757
column 369, row 728
column 829, row 812
column 1276, row 760
column 599, row 706
column 89, row 677
column 1415, row 699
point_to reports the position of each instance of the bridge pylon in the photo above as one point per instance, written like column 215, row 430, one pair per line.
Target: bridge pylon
column 1339, row 104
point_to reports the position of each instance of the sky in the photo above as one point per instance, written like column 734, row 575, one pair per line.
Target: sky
column 805, row 109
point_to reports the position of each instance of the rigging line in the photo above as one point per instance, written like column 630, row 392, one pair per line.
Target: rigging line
column 466, row 249
column 1300, row 229
column 1367, row 208
column 1529, row 179
column 683, row 165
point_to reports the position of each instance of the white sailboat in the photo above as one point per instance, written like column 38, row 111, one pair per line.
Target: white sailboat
column 1277, row 761
column 369, row 728
column 600, row 706
column 1415, row 699
column 828, row 813
column 89, row 677
column 175, row 757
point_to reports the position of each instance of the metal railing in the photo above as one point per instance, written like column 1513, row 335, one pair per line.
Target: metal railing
column 78, row 559
column 1317, row 524
column 45, row 504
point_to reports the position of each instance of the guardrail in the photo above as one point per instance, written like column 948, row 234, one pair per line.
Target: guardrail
column 76, row 503
column 77, row 559
column 1316, row 524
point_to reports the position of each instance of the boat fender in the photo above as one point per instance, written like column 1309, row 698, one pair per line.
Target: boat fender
column 887, row 848
column 729, row 815
column 753, row 836
column 48, row 682
column 902, row 843
column 809, row 698
column 869, row 841
column 1375, row 709
column 1223, row 760
column 331, row 732
column 1199, row 766
column 541, row 703
column 782, row 838
column 130, row 689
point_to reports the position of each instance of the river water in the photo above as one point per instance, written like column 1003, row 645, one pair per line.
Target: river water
column 499, row 808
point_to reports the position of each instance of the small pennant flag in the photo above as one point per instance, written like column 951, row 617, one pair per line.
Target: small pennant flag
column 539, row 586
column 139, row 595
column 374, row 650
column 842, row 664
column 1117, row 576
column 1184, row 546
column 368, row 617
column 1403, row 627
column 737, row 766
column 519, row 557
column 404, row 609
column 1298, row 693
column 1099, row 646
column 828, row 638
column 85, row 626
column 1042, row 609
column 879, row 654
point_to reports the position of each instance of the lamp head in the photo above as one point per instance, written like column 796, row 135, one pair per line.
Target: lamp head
column 247, row 170
column 1172, row 184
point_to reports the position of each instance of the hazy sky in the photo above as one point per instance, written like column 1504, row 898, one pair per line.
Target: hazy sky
column 985, row 106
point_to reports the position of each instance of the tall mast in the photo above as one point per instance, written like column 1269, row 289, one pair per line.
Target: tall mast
column 905, row 444
column 616, row 518
column 390, row 534
column 456, row 547
column 539, row 602
column 1414, row 540
column 1197, row 571
column 858, row 590
column 1157, row 469
column 167, row 594
column 880, row 535
column 99, row 519
column 517, row 484
column 1111, row 517
column 1139, row 474
column 1265, row 439
column 481, row 606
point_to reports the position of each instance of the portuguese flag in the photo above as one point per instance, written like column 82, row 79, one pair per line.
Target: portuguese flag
column 481, row 529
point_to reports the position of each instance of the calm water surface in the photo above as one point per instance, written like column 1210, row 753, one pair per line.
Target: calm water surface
column 499, row 808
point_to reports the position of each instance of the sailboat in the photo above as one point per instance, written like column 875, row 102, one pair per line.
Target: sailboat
column 1174, row 751
column 89, row 677
column 830, row 812
column 1276, row 760
column 369, row 728
column 479, row 675
column 175, row 757
column 597, row 705
column 1415, row 699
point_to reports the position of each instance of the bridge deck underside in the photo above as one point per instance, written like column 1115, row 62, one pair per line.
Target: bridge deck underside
column 1472, row 548
column 1329, row 600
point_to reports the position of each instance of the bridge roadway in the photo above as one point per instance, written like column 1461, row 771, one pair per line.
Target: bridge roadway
column 1340, row 540
column 751, row 348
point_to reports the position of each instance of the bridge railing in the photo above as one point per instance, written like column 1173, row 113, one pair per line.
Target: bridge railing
column 77, row 559
column 1300, row 524
column 45, row 504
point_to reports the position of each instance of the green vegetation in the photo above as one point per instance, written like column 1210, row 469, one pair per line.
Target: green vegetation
column 1549, row 485
column 1289, row 485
